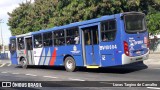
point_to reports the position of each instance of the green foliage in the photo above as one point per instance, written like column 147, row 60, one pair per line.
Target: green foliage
column 153, row 23
column 44, row 14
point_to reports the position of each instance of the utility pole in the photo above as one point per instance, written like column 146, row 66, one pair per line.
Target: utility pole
column 2, row 36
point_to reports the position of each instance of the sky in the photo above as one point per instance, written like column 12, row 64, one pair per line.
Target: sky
column 7, row 6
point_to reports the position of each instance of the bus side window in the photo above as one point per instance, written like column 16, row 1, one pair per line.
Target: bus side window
column 108, row 30
column 13, row 45
column 72, row 36
column 47, row 39
column 20, row 43
column 29, row 44
column 38, row 41
column 59, row 38
column 87, row 37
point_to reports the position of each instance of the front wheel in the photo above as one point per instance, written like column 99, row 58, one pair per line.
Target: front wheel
column 70, row 64
column 23, row 63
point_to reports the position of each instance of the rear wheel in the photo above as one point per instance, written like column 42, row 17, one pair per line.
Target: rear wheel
column 24, row 63
column 70, row 64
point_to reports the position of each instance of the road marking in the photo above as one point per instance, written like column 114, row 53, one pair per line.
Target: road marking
column 15, row 73
column 49, row 77
column 156, row 68
column 154, row 88
column 76, row 79
column 30, row 75
column 9, row 64
column 2, row 65
column 4, row 72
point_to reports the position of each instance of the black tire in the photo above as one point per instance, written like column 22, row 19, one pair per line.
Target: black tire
column 70, row 64
column 24, row 63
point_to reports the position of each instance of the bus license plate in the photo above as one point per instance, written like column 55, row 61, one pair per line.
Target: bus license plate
column 139, row 58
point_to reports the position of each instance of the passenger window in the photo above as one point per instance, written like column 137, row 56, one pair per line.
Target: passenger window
column 108, row 30
column 59, row 38
column 13, row 44
column 47, row 39
column 37, row 41
column 91, row 35
column 29, row 44
column 72, row 36
column 20, row 41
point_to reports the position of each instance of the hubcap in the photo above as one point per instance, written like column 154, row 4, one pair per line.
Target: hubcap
column 23, row 62
column 69, row 64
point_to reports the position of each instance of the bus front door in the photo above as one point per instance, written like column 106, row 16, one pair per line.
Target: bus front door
column 12, row 47
column 29, row 50
column 90, row 45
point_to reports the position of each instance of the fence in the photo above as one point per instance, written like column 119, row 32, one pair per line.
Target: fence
column 5, row 55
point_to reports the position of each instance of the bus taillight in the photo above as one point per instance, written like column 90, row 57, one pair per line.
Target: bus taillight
column 24, row 51
column 126, row 49
column 146, row 41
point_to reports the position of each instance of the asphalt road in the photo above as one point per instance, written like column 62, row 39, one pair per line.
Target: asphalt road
column 140, row 72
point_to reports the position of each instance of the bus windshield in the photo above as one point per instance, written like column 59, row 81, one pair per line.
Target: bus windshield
column 134, row 23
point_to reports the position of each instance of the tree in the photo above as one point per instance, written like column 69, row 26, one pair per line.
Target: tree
column 44, row 14
column 153, row 23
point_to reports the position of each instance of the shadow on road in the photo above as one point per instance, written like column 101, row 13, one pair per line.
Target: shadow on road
column 114, row 69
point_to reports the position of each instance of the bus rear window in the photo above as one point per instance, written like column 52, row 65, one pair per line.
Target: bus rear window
column 134, row 23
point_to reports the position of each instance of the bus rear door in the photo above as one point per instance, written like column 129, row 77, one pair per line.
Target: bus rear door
column 90, row 45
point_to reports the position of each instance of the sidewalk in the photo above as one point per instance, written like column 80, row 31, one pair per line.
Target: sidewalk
column 154, row 59
column 5, row 61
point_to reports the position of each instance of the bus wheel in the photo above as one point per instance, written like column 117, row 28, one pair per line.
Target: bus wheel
column 24, row 63
column 70, row 64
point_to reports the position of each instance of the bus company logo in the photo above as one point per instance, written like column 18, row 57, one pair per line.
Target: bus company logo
column 133, row 42
column 75, row 50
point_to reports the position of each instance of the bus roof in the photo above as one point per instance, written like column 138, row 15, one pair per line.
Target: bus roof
column 78, row 23
column 75, row 24
column 27, row 34
column 12, row 37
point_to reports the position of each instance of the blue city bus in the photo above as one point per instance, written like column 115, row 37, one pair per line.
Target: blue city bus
column 110, row 40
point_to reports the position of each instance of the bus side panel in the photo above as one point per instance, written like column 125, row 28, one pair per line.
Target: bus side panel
column 111, row 51
column 118, row 41
column 76, row 52
column 58, row 55
column 37, row 55
column 72, row 50
column 55, row 55
column 107, row 60
column 46, row 55
column 107, row 54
